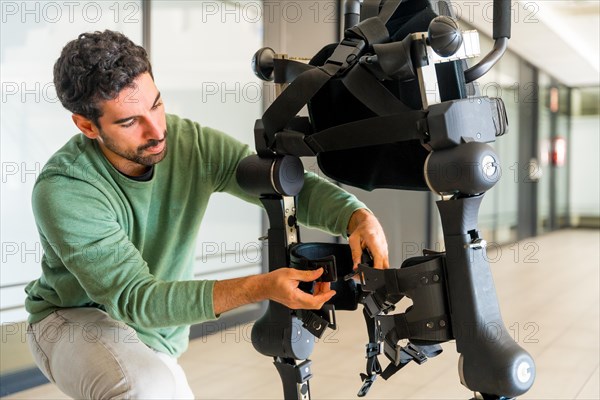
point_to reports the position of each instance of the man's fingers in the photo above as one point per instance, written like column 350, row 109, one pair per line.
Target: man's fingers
column 356, row 249
column 380, row 261
column 307, row 276
column 322, row 287
column 315, row 302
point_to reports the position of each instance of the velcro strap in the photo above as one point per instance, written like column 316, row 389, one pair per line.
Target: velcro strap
column 372, row 30
column 411, row 352
column 369, row 9
column 287, row 71
column 373, row 350
column 388, row 9
column 396, row 327
column 391, row 370
column 290, row 101
column 368, row 90
column 371, row 132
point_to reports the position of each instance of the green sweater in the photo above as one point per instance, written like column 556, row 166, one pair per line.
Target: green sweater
column 127, row 247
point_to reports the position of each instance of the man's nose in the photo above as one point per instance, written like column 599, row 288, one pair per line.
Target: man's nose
column 153, row 129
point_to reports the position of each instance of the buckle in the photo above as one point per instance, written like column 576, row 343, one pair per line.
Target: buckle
column 346, row 54
column 402, row 355
column 372, row 305
column 373, row 349
column 415, row 352
column 313, row 323
column 329, row 268
column 317, row 321
column 370, row 279
column 367, row 383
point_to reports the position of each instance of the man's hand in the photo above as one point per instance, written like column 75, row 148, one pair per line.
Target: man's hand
column 366, row 232
column 282, row 287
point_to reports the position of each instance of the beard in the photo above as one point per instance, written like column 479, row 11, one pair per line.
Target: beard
column 137, row 156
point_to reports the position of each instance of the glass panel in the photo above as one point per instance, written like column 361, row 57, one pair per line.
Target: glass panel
column 498, row 217
column 544, row 134
column 201, row 54
column 34, row 125
column 507, row 147
column 561, row 146
column 583, row 160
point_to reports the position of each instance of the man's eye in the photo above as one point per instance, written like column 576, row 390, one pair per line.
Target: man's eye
column 157, row 105
column 127, row 125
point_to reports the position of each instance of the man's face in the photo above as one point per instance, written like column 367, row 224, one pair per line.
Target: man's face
column 132, row 130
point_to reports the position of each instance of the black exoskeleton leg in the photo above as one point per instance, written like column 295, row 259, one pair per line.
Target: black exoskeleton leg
column 490, row 361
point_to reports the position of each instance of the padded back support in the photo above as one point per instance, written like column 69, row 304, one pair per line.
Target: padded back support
column 395, row 166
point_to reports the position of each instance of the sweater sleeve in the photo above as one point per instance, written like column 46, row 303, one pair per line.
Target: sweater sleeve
column 77, row 221
column 321, row 204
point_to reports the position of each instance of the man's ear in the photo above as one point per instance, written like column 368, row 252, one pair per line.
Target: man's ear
column 87, row 127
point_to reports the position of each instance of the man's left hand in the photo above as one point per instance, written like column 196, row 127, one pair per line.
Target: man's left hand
column 366, row 232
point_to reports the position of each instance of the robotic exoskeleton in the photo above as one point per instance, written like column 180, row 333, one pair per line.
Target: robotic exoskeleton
column 395, row 94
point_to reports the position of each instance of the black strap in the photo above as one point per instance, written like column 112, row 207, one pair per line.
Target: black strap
column 388, row 9
column 373, row 347
column 373, row 31
column 308, row 83
column 290, row 101
column 368, row 90
column 369, row 9
column 392, row 369
column 370, row 132
column 287, row 71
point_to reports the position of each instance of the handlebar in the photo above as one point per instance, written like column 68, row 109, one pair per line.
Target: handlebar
column 501, row 35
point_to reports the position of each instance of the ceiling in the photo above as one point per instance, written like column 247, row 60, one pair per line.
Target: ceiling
column 561, row 37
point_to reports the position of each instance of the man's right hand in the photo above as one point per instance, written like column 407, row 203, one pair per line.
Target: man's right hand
column 282, row 287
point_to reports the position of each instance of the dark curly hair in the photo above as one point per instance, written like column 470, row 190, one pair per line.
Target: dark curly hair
column 95, row 67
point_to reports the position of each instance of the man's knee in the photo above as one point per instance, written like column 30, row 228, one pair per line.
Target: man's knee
column 91, row 359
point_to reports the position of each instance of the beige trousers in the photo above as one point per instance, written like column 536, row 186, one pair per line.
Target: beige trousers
column 89, row 355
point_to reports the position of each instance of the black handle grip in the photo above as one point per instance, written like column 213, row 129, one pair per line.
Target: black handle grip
column 502, row 19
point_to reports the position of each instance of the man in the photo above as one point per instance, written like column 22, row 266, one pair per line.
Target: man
column 118, row 209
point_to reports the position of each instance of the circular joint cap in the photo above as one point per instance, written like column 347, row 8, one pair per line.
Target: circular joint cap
column 288, row 175
column 262, row 63
column 444, row 35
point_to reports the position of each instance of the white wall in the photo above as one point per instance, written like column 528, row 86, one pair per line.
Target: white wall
column 34, row 124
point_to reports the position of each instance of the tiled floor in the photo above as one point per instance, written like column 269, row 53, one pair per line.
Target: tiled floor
column 549, row 292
